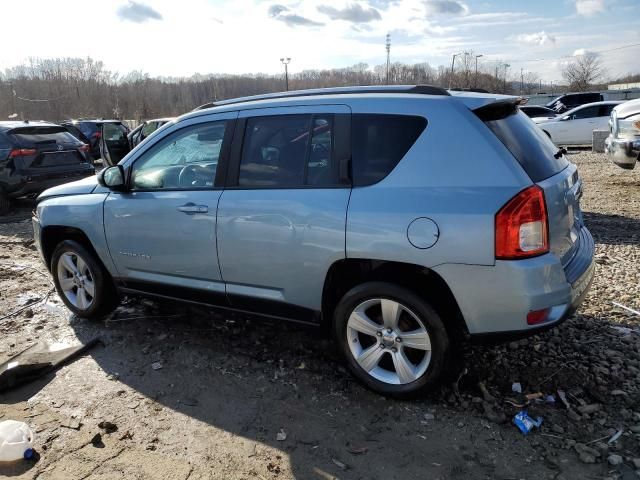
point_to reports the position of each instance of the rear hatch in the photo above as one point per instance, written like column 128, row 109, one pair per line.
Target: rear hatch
column 47, row 148
column 547, row 166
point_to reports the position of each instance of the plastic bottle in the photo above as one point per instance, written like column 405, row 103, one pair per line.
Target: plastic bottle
column 16, row 441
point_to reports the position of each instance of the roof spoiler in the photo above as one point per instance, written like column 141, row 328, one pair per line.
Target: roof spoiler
column 498, row 110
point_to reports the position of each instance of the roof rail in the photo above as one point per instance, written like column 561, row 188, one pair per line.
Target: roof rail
column 415, row 89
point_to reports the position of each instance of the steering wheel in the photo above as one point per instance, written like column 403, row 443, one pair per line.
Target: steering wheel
column 192, row 176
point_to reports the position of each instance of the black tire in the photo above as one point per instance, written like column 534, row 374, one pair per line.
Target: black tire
column 421, row 309
column 5, row 203
column 105, row 298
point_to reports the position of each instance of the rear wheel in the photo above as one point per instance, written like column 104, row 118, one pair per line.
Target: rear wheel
column 393, row 341
column 83, row 284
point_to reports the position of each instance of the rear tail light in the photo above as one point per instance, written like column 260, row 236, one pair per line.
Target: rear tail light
column 22, row 152
column 522, row 227
column 83, row 148
column 538, row 316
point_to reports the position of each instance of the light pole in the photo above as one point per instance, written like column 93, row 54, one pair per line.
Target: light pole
column 388, row 46
column 521, row 80
column 285, row 61
column 475, row 79
column 506, row 65
column 453, row 61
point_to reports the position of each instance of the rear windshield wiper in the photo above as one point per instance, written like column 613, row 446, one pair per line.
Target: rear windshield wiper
column 561, row 151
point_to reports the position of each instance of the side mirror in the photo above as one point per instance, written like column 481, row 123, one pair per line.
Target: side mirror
column 112, row 178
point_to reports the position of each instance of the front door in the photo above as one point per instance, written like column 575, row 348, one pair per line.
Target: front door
column 114, row 144
column 281, row 218
column 162, row 232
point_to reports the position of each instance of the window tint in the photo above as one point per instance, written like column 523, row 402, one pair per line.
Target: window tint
column 588, row 112
column 87, row 128
column 186, row 159
column 378, row 143
column 605, row 110
column 33, row 135
column 320, row 167
column 528, row 144
column 274, row 151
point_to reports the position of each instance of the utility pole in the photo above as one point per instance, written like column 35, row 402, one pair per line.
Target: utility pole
column 388, row 47
column 475, row 79
column 285, row 61
column 521, row 80
column 453, row 62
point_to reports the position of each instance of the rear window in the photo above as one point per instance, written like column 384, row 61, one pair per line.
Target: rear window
column 35, row 135
column 378, row 143
column 530, row 146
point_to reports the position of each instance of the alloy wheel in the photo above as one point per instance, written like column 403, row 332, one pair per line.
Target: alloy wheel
column 76, row 280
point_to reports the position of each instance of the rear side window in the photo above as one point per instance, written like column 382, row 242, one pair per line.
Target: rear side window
column 379, row 142
column 88, row 128
column 36, row 135
column 530, row 146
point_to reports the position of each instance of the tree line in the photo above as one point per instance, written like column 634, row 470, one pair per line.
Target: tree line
column 63, row 88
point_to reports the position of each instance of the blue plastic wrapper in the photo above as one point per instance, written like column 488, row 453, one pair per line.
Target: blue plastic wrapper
column 525, row 423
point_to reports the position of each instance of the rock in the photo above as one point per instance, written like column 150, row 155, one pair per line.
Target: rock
column 28, row 313
column 108, row 427
column 614, row 459
column 636, row 463
column 635, row 428
column 96, row 441
column 573, row 415
column 156, row 365
column 493, row 415
column 588, row 409
column 557, row 428
column 586, row 458
column 429, row 416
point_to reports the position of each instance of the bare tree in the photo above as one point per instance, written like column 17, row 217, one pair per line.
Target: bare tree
column 583, row 71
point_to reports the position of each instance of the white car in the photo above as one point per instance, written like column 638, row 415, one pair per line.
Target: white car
column 576, row 126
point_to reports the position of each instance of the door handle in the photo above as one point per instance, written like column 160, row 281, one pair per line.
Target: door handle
column 191, row 208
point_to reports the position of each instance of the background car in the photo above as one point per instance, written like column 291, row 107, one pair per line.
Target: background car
column 145, row 129
column 537, row 111
column 576, row 126
column 623, row 143
column 35, row 156
column 90, row 130
column 570, row 101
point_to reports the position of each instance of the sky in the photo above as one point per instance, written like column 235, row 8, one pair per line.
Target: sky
column 182, row 38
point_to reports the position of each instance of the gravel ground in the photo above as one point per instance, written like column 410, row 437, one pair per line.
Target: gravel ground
column 240, row 398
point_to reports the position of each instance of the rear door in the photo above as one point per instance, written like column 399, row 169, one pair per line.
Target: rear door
column 47, row 147
column 281, row 217
column 581, row 124
column 547, row 167
column 114, row 144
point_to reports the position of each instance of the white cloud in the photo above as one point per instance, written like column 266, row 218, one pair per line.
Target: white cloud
column 583, row 51
column 589, row 7
column 538, row 38
column 445, row 7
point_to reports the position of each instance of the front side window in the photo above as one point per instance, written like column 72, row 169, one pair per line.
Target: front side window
column 186, row 159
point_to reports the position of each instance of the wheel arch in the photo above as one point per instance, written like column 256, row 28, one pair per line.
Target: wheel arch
column 345, row 274
column 53, row 235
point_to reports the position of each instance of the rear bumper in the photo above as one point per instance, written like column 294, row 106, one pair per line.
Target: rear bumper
column 31, row 185
column 495, row 300
column 623, row 152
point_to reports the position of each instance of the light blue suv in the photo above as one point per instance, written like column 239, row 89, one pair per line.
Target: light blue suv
column 404, row 219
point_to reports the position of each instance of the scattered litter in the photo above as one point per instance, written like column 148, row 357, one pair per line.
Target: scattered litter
column 281, row 436
column 37, row 360
column 28, row 306
column 628, row 309
column 126, row 436
column 357, row 451
column 302, row 366
column 525, row 423
column 72, row 423
column 16, row 441
column 516, row 387
column 614, row 438
column 55, row 309
column 550, row 399
column 156, row 365
column 534, row 396
column 339, row 464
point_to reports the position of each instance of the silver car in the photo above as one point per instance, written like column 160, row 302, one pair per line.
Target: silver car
column 623, row 143
column 402, row 219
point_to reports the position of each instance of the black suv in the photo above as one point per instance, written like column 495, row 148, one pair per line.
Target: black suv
column 37, row 155
column 570, row 101
column 90, row 131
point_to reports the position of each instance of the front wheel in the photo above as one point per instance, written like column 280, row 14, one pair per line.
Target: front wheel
column 393, row 341
column 81, row 281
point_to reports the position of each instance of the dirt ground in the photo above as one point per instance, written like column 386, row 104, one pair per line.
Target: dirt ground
column 242, row 398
